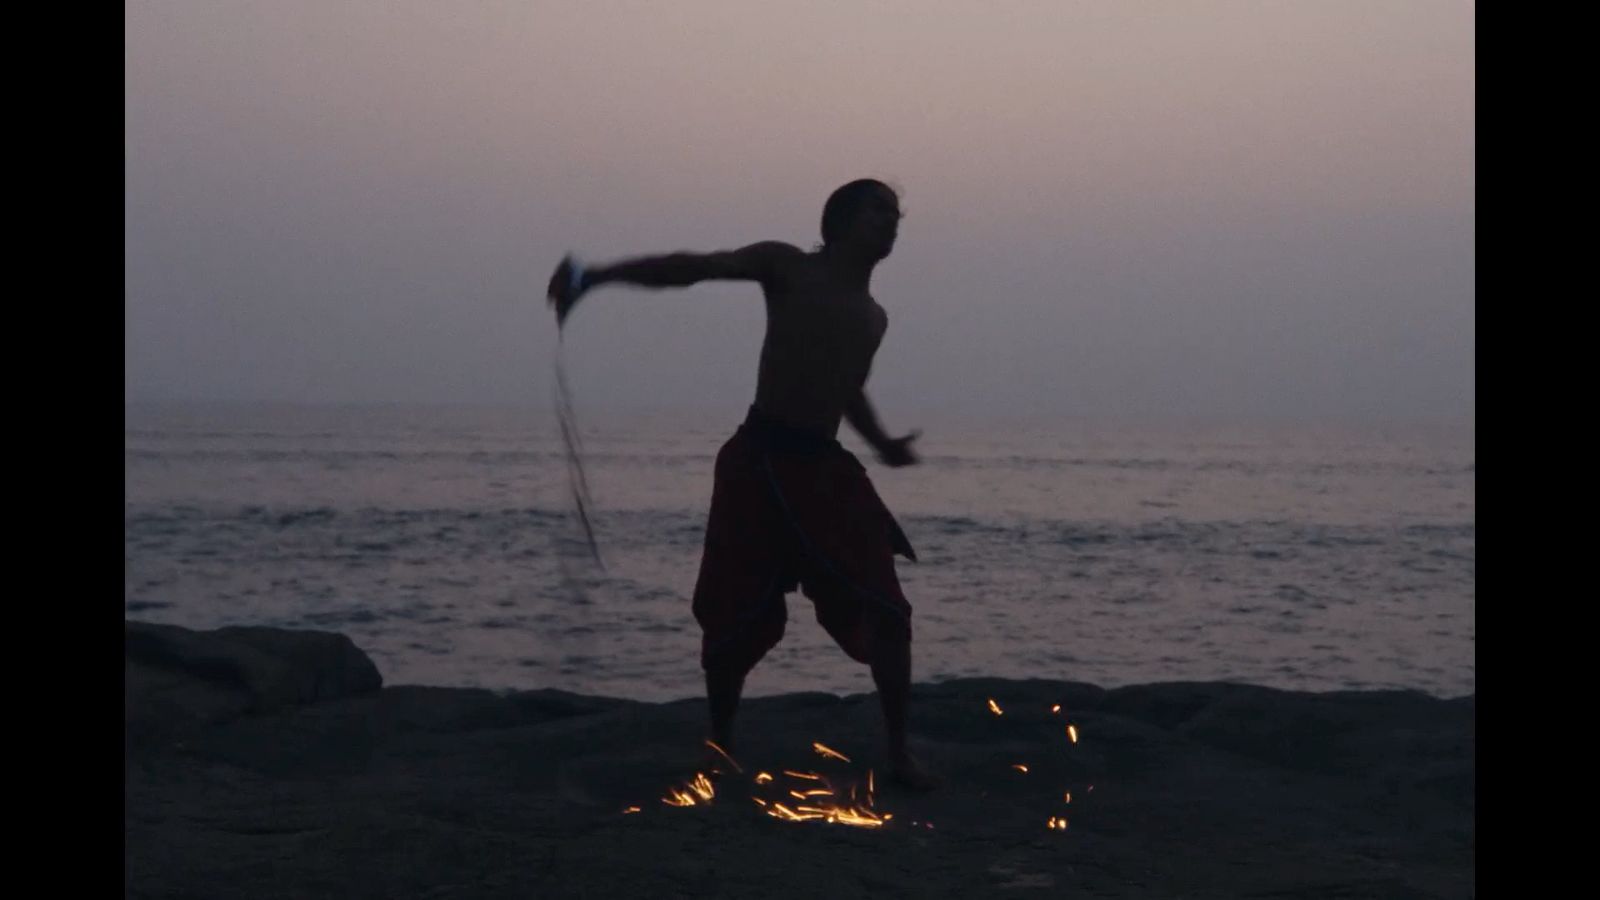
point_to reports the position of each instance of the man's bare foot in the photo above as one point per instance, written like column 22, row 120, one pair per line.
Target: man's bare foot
column 908, row 772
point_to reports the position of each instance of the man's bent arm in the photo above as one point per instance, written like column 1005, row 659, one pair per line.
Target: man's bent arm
column 859, row 413
column 757, row 262
column 891, row 451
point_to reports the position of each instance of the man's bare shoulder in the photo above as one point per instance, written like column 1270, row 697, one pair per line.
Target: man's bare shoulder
column 782, row 265
column 777, row 255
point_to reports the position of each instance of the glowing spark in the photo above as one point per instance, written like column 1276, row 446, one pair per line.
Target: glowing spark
column 995, row 707
column 1020, row 768
column 828, row 751
column 815, row 802
column 699, row 787
column 1072, row 732
column 724, row 754
column 1056, row 708
column 1056, row 824
column 784, row 812
column 856, row 817
column 1068, row 798
column 631, row 809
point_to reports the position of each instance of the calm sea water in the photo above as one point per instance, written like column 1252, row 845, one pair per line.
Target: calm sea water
column 442, row 541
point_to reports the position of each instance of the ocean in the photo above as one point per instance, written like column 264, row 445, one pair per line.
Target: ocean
column 444, row 542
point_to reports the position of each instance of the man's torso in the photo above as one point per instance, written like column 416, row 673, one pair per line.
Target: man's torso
column 820, row 341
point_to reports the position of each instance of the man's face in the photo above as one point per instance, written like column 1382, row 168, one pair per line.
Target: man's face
column 877, row 223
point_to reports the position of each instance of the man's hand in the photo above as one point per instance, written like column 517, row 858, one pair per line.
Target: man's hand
column 566, row 286
column 896, row 452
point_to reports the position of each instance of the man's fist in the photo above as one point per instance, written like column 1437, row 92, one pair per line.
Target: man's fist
column 566, row 286
column 896, row 452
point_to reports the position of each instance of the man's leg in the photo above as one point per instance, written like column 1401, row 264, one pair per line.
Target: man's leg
column 734, row 657
column 891, row 671
column 723, row 686
column 738, row 595
column 883, row 641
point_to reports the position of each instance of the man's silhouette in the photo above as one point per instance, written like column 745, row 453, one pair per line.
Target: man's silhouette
column 790, row 506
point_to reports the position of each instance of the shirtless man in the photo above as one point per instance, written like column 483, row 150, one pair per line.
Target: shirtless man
column 790, row 507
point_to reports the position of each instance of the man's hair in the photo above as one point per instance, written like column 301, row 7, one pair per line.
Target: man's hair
column 844, row 203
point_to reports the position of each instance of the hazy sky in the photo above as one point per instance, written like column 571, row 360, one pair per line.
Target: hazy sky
column 1210, row 208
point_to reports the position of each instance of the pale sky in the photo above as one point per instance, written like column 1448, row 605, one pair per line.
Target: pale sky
column 1219, row 208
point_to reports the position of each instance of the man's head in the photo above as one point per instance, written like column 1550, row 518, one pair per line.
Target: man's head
column 862, row 217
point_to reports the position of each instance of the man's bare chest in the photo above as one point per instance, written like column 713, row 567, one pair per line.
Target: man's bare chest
column 819, row 311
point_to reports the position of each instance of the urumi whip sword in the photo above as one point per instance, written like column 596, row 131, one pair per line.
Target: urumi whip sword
column 577, row 483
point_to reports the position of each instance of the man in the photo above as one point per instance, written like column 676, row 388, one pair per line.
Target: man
column 790, row 507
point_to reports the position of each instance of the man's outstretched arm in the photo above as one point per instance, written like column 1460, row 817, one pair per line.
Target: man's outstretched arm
column 757, row 262
column 894, row 452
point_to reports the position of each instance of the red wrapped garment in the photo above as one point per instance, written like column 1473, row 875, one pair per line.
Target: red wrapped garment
column 789, row 509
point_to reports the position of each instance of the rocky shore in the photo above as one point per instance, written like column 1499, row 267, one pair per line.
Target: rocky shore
column 272, row 763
